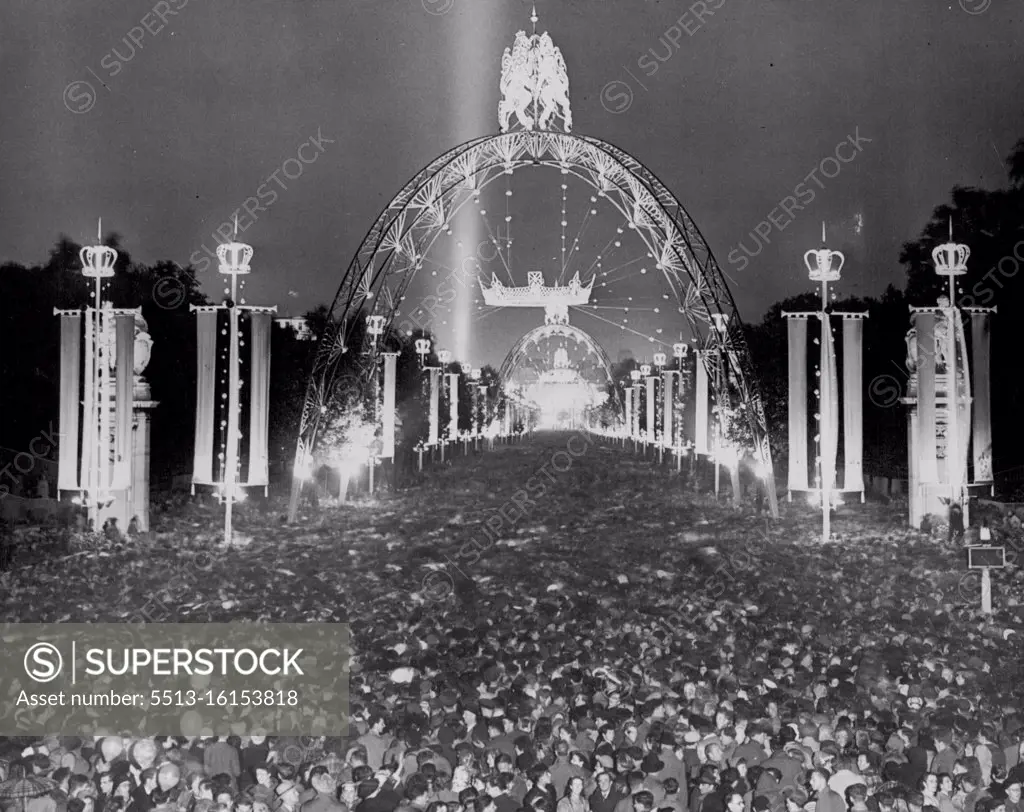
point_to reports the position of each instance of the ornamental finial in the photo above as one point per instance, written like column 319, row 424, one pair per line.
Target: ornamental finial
column 534, row 18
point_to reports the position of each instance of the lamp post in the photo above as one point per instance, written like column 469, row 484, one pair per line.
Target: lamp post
column 679, row 352
column 666, row 388
column 445, row 357
column 634, row 429
column 950, row 260
column 627, row 405
column 721, row 323
column 375, row 327
column 826, row 266
column 483, row 411
column 648, row 435
column 474, row 377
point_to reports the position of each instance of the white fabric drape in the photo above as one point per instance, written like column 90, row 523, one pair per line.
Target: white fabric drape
column 700, row 439
column 981, row 341
column 853, row 403
column 388, row 417
column 206, row 389
column 124, row 380
column 70, row 400
column 259, row 400
column 796, row 329
column 928, row 468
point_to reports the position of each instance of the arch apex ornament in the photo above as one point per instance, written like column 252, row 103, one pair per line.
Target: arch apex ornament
column 534, row 83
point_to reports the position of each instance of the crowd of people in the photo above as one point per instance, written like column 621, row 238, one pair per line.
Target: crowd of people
column 575, row 740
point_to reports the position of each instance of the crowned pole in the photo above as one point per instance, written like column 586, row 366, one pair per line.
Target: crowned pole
column 666, row 412
column 635, row 422
column 627, row 426
column 679, row 352
column 950, row 261
column 826, row 266
column 234, row 261
column 103, row 475
column 453, row 407
column 645, row 371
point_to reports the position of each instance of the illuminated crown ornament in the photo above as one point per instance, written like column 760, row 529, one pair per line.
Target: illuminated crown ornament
column 234, row 257
column 679, row 350
column 98, row 261
column 822, row 264
column 634, row 375
column 444, row 356
column 534, row 83
column 375, row 326
column 645, row 370
column 422, row 346
column 659, row 359
column 951, row 258
column 535, row 294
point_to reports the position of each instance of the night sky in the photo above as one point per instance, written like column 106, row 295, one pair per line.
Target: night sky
column 732, row 111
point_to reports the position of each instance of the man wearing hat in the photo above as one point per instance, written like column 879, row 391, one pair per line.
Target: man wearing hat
column 324, row 788
column 706, row 783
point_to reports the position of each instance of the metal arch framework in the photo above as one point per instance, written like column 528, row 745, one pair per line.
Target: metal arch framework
column 519, row 349
column 378, row 276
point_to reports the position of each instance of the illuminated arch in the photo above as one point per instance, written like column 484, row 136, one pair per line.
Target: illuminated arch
column 392, row 252
column 521, row 347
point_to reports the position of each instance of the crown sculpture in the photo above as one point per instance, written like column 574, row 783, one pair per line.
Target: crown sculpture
column 98, row 261
column 534, row 84
column 534, row 294
column 234, row 257
column 951, row 259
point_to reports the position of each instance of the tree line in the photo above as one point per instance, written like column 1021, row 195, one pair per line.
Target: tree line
column 991, row 222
